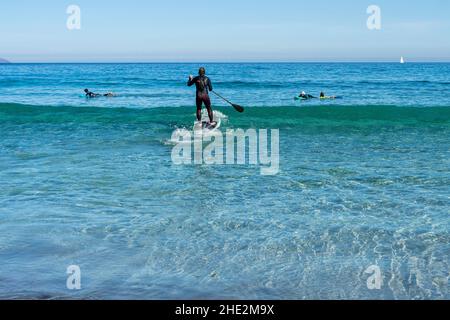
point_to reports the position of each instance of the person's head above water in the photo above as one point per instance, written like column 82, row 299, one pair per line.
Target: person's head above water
column 86, row 90
column 303, row 93
column 201, row 71
column 322, row 95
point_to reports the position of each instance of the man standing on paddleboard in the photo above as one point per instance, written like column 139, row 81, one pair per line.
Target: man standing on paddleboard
column 204, row 86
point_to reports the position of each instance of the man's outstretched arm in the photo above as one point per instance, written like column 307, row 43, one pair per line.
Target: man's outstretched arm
column 191, row 81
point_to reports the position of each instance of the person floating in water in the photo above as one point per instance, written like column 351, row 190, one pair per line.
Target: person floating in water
column 304, row 95
column 323, row 96
column 203, row 86
column 90, row 94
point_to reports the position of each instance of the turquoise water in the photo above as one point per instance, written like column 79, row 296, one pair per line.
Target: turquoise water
column 363, row 181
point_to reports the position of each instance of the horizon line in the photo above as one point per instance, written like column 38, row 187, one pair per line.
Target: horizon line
column 6, row 62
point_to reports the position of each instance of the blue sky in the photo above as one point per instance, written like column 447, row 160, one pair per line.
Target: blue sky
column 226, row 30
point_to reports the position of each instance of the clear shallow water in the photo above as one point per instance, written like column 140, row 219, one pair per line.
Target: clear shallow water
column 363, row 181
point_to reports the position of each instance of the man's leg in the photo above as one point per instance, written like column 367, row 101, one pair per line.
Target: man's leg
column 207, row 102
column 199, row 108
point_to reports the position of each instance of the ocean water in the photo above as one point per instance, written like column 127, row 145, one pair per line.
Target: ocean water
column 364, row 181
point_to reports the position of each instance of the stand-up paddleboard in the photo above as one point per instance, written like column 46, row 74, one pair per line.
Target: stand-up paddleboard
column 206, row 125
column 211, row 125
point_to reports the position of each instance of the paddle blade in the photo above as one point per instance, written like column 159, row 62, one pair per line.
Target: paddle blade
column 238, row 108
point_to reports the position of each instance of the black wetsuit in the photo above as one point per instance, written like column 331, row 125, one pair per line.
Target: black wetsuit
column 95, row 95
column 91, row 95
column 203, row 85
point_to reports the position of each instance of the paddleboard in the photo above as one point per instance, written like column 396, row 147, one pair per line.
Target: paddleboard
column 211, row 126
column 206, row 125
column 330, row 98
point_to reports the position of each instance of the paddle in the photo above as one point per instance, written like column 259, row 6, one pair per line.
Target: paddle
column 236, row 106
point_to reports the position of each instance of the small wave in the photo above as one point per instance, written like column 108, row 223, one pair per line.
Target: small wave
column 259, row 117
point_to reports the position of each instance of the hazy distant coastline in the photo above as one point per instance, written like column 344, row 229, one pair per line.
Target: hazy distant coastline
column 4, row 61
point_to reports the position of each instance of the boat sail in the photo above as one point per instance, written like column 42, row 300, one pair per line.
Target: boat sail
column 402, row 60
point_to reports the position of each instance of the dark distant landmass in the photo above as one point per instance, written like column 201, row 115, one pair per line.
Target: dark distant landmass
column 4, row 61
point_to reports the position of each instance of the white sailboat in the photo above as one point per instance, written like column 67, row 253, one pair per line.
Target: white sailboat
column 402, row 61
